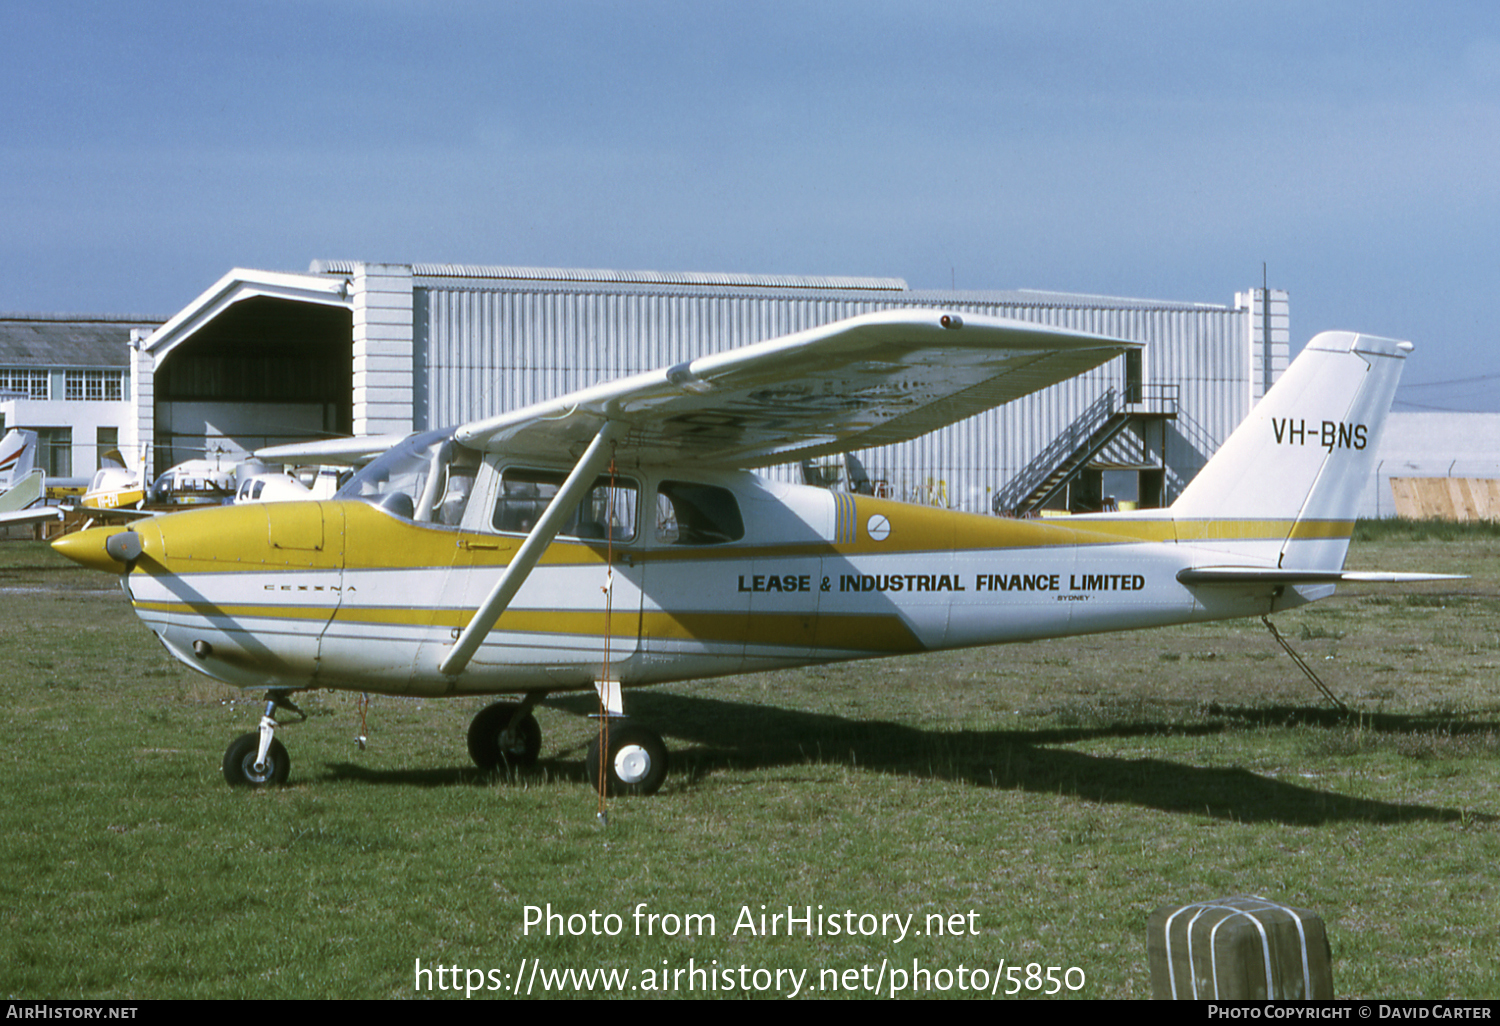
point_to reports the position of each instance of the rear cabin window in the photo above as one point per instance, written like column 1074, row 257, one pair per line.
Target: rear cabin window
column 697, row 514
column 606, row 513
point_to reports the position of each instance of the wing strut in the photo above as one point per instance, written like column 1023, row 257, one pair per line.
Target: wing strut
column 594, row 459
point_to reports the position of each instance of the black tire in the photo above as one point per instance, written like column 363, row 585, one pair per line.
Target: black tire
column 497, row 737
column 637, row 762
column 239, row 763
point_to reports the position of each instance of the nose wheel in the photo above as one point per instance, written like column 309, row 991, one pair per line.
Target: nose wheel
column 259, row 760
column 244, row 768
column 634, row 763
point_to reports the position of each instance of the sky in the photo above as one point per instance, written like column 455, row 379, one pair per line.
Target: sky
column 1165, row 150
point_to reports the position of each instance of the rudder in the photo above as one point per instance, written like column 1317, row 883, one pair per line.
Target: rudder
column 1299, row 462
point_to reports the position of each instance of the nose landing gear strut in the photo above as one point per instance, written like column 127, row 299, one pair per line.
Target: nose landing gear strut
column 258, row 759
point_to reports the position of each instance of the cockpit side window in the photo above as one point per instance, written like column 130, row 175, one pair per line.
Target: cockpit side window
column 451, row 486
column 697, row 514
column 606, row 512
column 426, row 478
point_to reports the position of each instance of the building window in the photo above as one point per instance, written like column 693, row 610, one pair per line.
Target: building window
column 30, row 383
column 106, row 439
column 55, row 450
column 95, row 386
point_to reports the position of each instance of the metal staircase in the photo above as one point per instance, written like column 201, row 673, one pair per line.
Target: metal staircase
column 1070, row 452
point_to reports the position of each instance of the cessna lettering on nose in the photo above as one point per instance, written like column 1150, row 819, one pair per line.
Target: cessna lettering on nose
column 616, row 537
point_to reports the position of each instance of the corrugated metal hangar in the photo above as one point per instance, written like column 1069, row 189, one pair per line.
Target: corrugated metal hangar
column 349, row 347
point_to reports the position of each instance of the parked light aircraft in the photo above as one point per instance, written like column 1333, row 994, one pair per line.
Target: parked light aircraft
column 198, row 482
column 616, row 537
column 22, row 484
column 262, row 485
column 114, row 485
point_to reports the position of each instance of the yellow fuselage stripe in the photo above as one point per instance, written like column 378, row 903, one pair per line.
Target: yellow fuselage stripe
column 355, row 536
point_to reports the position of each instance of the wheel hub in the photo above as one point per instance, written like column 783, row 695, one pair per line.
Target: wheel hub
column 632, row 764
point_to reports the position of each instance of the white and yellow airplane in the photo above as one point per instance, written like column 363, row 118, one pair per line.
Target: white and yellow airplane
column 114, row 485
column 615, row 536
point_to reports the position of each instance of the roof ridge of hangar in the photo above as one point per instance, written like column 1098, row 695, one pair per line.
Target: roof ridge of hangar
column 602, row 275
column 75, row 318
column 239, row 284
column 1048, row 299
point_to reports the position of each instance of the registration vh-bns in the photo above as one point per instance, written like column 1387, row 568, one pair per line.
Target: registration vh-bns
column 616, row 536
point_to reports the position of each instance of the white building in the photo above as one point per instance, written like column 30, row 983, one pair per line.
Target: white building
column 67, row 378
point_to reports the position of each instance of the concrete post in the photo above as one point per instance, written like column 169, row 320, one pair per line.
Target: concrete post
column 383, row 371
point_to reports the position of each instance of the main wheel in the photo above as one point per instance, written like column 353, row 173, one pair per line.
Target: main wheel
column 498, row 737
column 636, row 763
column 239, row 763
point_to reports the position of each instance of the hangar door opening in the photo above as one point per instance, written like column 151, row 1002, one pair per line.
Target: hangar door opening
column 263, row 372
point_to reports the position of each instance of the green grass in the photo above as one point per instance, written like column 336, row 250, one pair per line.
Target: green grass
column 1061, row 791
column 1403, row 529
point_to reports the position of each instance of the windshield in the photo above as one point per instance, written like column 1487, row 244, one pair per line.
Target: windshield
column 426, row 478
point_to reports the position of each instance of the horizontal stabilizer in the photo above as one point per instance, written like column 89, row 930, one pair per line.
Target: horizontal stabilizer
column 117, row 513
column 1273, row 575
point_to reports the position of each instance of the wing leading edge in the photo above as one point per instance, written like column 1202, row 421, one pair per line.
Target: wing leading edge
column 871, row 380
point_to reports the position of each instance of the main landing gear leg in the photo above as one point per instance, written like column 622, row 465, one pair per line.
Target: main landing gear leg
column 624, row 757
column 258, row 759
column 505, row 734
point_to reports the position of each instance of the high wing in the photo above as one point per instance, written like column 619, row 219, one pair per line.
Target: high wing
column 116, row 513
column 868, row 381
column 35, row 515
column 330, row 451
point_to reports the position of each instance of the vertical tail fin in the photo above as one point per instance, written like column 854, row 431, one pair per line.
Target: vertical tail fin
column 1299, row 462
column 17, row 456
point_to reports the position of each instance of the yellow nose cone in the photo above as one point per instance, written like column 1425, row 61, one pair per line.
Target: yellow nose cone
column 87, row 548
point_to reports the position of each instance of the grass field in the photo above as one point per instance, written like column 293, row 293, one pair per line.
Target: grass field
column 1038, row 800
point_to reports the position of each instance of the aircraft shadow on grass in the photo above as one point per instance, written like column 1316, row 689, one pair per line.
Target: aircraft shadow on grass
column 740, row 736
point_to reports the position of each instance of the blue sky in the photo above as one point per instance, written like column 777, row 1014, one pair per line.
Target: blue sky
column 1160, row 150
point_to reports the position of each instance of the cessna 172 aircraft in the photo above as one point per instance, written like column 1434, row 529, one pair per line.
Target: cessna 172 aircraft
column 616, row 537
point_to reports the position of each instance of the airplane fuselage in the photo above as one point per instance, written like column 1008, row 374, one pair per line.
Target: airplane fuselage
column 343, row 594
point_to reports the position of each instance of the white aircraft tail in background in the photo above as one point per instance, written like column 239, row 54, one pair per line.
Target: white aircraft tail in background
column 24, row 484
column 17, row 456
